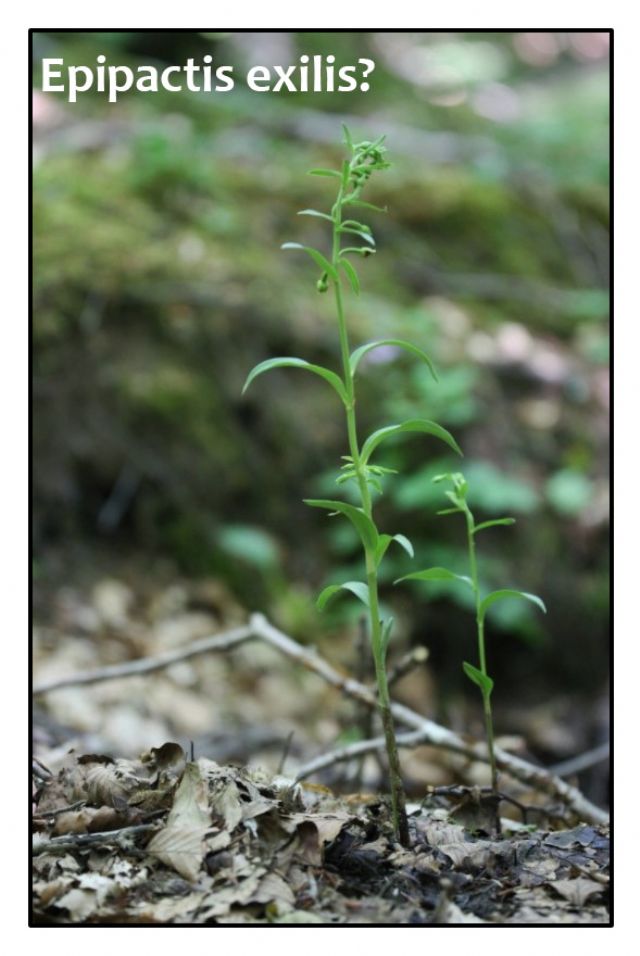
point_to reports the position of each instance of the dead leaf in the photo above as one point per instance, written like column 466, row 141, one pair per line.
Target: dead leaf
column 226, row 804
column 272, row 887
column 577, row 891
column 181, row 843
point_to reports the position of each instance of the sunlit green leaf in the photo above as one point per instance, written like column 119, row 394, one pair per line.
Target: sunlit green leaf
column 508, row 593
column 348, row 142
column 494, row 521
column 358, row 353
column 364, row 525
column 483, row 681
column 413, row 425
column 360, row 590
column 333, row 173
column 314, row 212
column 352, row 275
column 435, row 574
column 334, row 380
column 354, row 224
column 317, row 257
column 363, row 251
column 357, row 232
column 364, row 205
column 385, row 540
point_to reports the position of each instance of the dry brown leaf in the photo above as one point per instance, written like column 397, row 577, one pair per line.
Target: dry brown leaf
column 577, row 891
column 220, row 902
column 273, row 887
column 180, row 843
column 226, row 803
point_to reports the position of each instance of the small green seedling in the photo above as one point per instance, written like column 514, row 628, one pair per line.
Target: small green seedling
column 479, row 675
column 365, row 158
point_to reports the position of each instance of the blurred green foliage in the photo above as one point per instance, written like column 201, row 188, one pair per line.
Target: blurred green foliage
column 159, row 283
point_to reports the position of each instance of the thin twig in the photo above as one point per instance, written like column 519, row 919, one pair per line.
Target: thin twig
column 407, row 663
column 581, row 761
column 146, row 665
column 80, row 840
column 357, row 749
column 429, row 732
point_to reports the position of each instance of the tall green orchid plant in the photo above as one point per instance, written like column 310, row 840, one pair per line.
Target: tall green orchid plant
column 365, row 158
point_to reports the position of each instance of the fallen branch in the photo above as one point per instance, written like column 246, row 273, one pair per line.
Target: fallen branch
column 581, row 761
column 79, row 841
column 425, row 731
column 357, row 749
column 146, row 665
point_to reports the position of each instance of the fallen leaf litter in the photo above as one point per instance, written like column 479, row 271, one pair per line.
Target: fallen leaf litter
column 168, row 840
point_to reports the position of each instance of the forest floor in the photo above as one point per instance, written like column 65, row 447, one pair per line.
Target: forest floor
column 166, row 840
column 215, row 828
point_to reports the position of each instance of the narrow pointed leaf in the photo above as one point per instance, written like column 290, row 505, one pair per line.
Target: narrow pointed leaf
column 508, row 593
column 404, row 543
column 398, row 343
column 364, row 205
column 332, row 173
column 357, row 232
column 450, row 511
column 494, row 521
column 413, row 425
column 435, row 574
column 354, row 224
column 360, row 590
column 314, row 212
column 363, row 524
column 348, row 142
column 483, row 681
column 351, row 275
column 317, row 257
column 384, row 540
column 358, row 250
column 289, row 362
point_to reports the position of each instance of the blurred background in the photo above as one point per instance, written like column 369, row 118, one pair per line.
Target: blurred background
column 167, row 507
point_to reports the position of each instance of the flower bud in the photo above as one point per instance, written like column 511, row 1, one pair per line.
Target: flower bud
column 323, row 283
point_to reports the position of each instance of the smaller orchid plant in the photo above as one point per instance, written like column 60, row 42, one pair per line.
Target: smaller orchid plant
column 457, row 496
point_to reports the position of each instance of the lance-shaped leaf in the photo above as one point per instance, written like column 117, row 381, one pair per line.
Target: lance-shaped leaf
column 363, row 524
column 358, row 230
column 363, row 205
column 435, row 574
column 332, row 173
column 483, row 681
column 314, row 212
column 492, row 523
column 490, row 599
column 413, row 425
column 385, row 540
column 289, row 362
column 317, row 257
column 397, row 343
column 358, row 250
column 360, row 590
column 351, row 275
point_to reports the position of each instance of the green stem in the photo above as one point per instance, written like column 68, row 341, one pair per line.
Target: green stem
column 486, row 698
column 398, row 808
